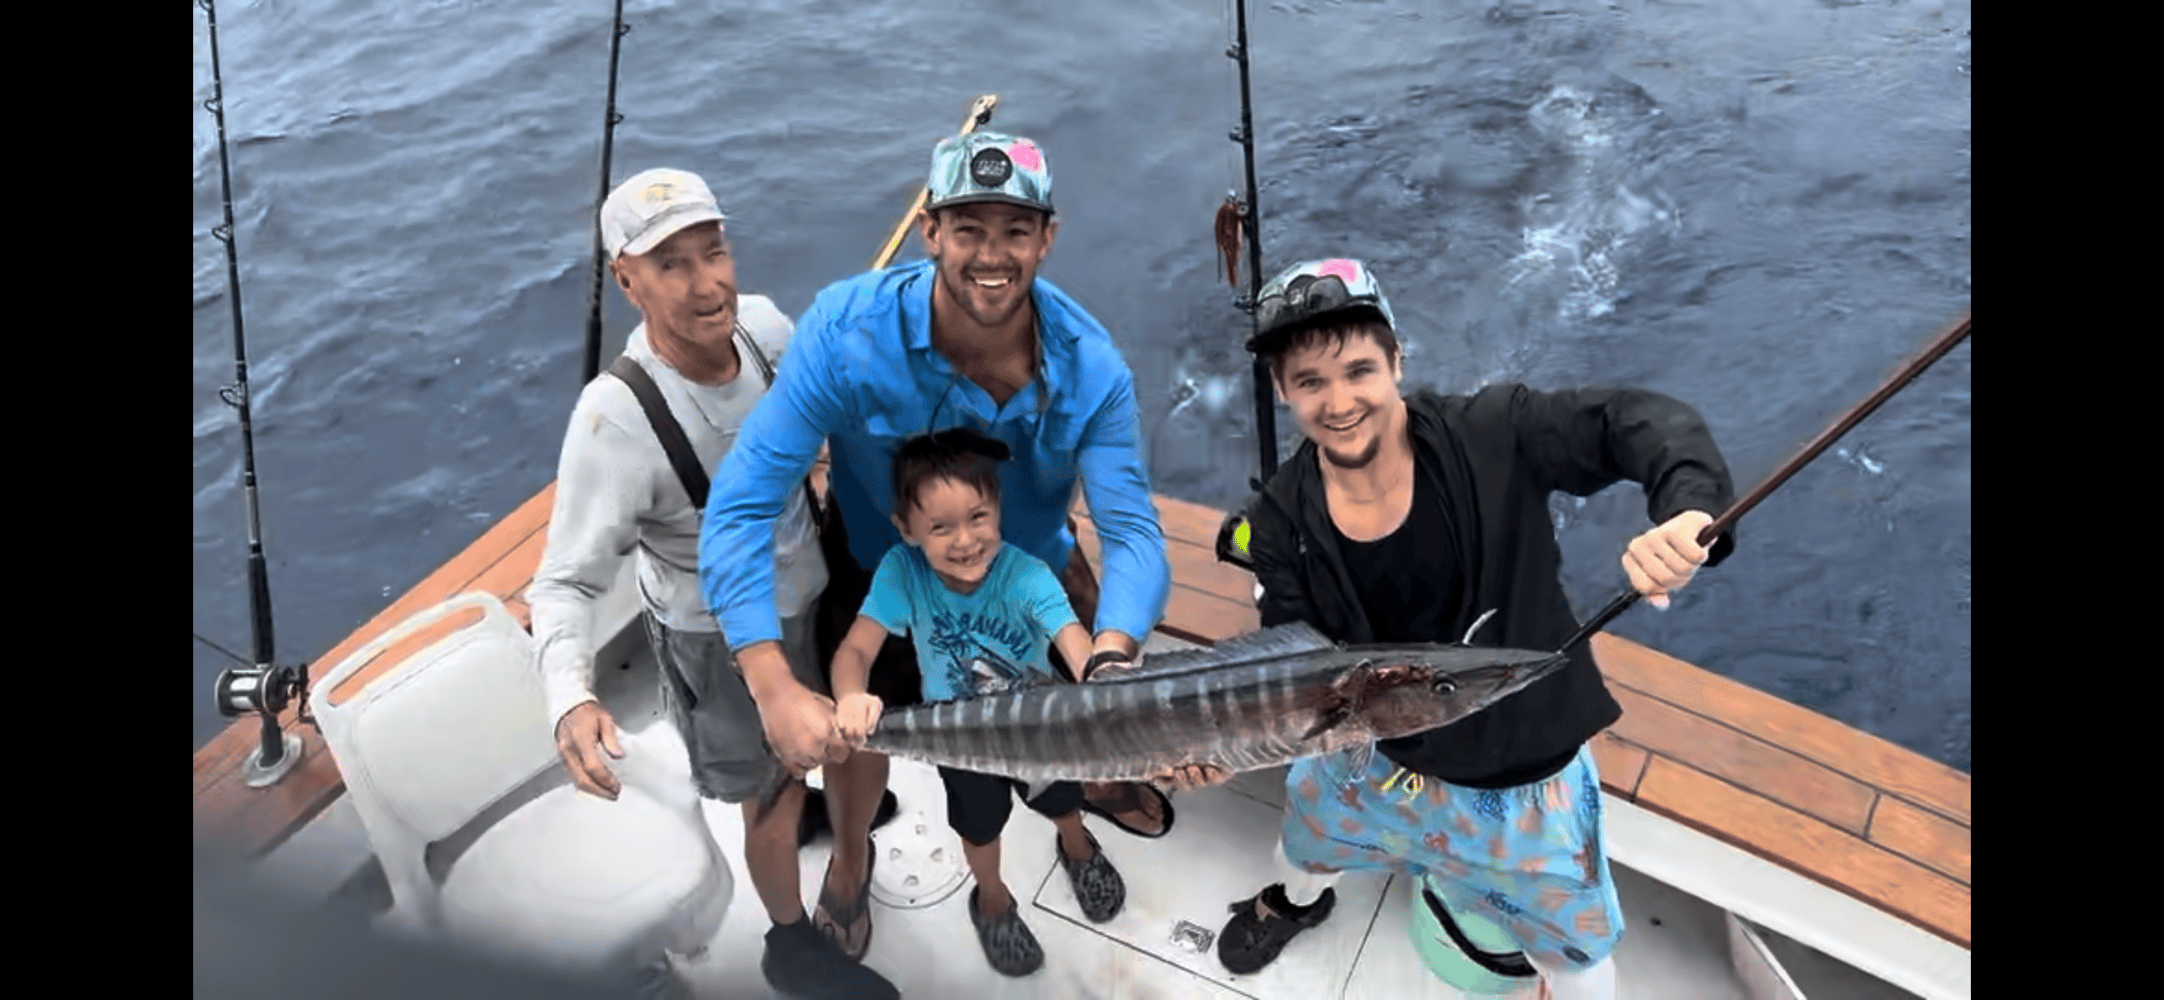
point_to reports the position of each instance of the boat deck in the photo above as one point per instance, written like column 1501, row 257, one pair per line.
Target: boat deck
column 1722, row 798
column 1677, row 945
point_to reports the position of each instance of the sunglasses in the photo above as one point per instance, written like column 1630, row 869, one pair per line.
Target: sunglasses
column 959, row 438
column 1310, row 295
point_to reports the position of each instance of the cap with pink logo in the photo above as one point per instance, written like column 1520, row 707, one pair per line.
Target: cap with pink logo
column 989, row 167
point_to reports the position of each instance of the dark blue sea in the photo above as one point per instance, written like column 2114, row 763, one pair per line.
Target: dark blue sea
column 1759, row 206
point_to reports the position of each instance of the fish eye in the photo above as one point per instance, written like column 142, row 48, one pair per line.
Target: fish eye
column 1445, row 685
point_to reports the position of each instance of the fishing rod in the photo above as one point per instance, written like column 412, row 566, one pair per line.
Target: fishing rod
column 609, row 122
column 261, row 686
column 1234, row 217
column 1943, row 343
column 980, row 114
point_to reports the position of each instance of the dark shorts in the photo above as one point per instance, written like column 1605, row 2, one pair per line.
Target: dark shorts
column 707, row 699
column 978, row 804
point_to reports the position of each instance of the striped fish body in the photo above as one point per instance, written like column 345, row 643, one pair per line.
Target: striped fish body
column 1249, row 703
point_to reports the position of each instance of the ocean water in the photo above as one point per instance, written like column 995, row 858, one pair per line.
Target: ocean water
column 1759, row 206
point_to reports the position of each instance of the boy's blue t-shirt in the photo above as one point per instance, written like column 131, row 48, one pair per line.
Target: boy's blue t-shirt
column 975, row 643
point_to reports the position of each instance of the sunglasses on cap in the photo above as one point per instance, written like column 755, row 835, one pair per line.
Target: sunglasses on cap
column 1314, row 290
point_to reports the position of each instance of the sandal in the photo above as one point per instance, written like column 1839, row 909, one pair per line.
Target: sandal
column 1128, row 800
column 1098, row 888
column 836, row 920
column 1008, row 943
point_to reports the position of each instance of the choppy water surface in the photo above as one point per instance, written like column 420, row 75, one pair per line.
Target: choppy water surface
column 1761, row 206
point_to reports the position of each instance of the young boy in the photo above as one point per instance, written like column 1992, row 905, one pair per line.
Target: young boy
column 984, row 617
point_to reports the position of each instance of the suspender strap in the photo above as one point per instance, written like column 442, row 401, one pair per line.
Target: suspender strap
column 671, row 433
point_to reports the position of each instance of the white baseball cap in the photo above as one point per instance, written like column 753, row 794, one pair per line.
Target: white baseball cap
column 652, row 206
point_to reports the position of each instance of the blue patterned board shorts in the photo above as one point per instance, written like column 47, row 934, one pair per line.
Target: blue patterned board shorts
column 1531, row 859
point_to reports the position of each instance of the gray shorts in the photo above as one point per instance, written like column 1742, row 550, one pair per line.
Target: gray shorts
column 704, row 690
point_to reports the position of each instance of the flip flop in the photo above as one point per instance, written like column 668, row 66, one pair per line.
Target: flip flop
column 1128, row 801
column 845, row 918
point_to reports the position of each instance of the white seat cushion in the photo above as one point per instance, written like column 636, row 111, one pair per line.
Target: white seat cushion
column 580, row 881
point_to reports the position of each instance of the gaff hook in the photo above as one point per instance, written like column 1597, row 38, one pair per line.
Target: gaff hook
column 1477, row 623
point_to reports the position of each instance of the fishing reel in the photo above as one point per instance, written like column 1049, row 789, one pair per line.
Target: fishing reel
column 267, row 692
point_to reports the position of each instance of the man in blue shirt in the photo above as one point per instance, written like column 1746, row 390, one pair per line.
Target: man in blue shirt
column 971, row 337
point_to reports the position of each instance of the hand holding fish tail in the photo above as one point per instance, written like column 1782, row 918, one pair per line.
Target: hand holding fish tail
column 1663, row 560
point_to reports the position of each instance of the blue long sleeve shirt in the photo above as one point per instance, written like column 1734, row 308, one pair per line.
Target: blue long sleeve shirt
column 861, row 375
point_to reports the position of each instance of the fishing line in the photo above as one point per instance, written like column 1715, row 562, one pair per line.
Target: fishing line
column 236, row 657
column 609, row 121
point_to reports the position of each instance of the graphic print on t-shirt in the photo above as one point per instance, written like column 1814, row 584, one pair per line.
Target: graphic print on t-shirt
column 994, row 639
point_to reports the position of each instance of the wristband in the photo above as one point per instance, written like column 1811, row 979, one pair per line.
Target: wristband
column 1103, row 657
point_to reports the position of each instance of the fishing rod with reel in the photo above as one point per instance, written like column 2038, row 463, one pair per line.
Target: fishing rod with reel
column 1236, row 218
column 1239, row 218
column 609, row 120
column 262, row 686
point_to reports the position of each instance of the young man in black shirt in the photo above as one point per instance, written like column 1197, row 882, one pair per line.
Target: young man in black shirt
column 1425, row 519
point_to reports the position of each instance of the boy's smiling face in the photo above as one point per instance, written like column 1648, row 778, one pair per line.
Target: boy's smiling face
column 957, row 527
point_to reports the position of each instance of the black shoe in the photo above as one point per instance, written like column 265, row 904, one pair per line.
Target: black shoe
column 802, row 964
column 1249, row 942
column 814, row 824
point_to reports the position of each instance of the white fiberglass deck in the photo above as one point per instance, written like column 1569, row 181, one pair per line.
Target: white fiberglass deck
column 1676, row 947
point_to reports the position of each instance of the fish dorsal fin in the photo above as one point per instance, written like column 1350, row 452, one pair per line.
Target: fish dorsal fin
column 1284, row 640
column 1290, row 639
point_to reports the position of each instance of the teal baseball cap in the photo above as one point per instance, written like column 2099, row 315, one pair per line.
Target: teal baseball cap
column 989, row 167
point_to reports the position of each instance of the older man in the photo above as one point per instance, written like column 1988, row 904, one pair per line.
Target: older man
column 700, row 359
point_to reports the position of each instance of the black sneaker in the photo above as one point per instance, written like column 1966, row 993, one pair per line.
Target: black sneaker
column 802, row 964
column 1250, row 942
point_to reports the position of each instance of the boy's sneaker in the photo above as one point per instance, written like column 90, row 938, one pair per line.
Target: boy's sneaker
column 803, row 964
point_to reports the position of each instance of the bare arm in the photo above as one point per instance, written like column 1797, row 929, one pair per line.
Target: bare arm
column 856, row 712
column 853, row 661
column 1074, row 647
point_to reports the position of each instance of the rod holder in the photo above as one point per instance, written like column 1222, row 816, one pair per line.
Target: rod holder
column 266, row 691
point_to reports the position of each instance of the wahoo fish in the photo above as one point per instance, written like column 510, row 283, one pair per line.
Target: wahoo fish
column 1257, row 701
